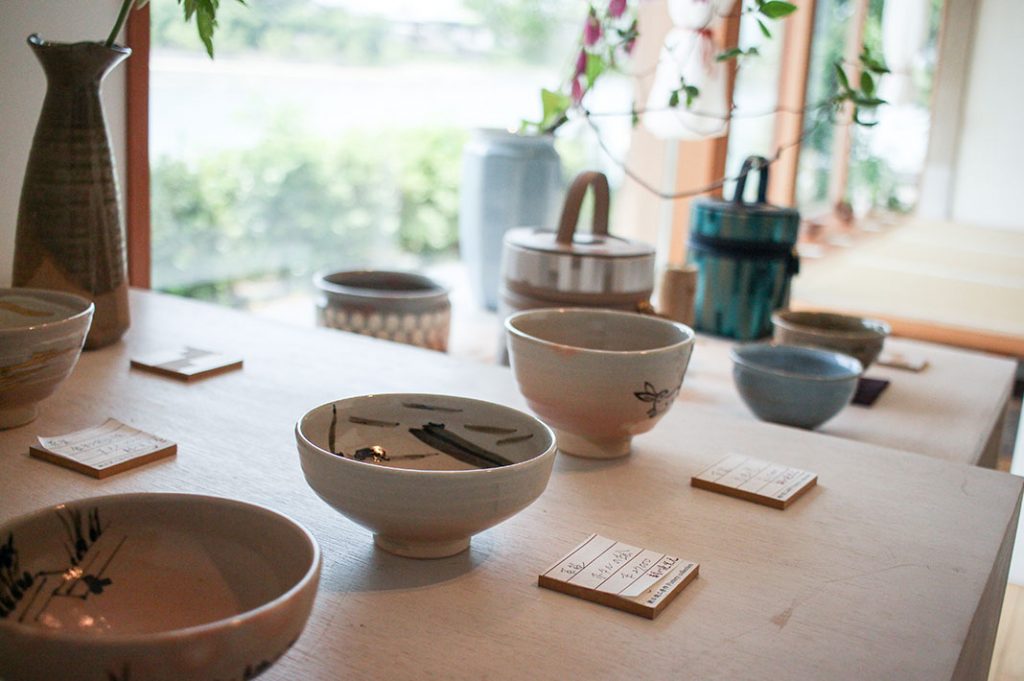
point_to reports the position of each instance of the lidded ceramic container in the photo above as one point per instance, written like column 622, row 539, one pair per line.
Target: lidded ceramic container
column 745, row 256
column 566, row 268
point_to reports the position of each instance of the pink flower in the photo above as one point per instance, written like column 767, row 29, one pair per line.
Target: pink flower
column 630, row 45
column 592, row 29
column 616, row 8
column 581, row 63
column 577, row 90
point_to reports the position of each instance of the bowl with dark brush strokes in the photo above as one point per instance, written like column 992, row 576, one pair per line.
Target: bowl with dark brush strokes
column 855, row 336
column 794, row 385
column 152, row 587
column 424, row 472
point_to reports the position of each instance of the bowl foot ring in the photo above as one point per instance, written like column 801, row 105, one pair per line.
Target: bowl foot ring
column 425, row 549
column 18, row 416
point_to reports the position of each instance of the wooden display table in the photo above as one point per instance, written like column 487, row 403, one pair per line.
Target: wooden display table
column 953, row 410
column 892, row 567
column 937, row 281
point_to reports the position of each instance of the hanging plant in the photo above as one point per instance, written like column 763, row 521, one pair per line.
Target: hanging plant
column 204, row 11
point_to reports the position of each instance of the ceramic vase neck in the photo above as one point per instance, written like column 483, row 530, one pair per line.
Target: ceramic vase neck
column 71, row 65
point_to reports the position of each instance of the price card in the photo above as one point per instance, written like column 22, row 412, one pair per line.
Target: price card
column 639, row 581
column 103, row 450
column 899, row 360
column 755, row 480
column 187, row 363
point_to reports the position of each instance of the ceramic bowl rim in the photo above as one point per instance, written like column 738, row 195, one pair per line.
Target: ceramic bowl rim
column 688, row 333
column 550, row 450
column 431, row 288
column 86, row 308
column 112, row 640
column 844, row 361
column 871, row 329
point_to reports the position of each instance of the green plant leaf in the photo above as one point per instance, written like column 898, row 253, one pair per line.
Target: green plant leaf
column 859, row 121
column 764, row 29
column 729, row 54
column 872, row 63
column 596, row 65
column 673, row 99
column 867, row 83
column 844, row 82
column 206, row 22
column 867, row 102
column 776, row 9
column 692, row 93
column 554, row 106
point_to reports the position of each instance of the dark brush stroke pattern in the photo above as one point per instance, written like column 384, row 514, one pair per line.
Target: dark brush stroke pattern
column 514, row 440
column 490, row 430
column 430, row 407
column 438, row 437
column 372, row 422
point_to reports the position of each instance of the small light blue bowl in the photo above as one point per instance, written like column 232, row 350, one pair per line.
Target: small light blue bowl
column 794, row 385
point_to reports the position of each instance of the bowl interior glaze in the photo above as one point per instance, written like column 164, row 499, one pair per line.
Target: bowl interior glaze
column 149, row 565
column 416, row 432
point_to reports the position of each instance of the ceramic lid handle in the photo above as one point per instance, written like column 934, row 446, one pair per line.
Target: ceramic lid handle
column 574, row 201
column 760, row 164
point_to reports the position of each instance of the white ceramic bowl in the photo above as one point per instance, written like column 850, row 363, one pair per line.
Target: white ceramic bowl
column 41, row 337
column 423, row 502
column 598, row 377
column 152, row 587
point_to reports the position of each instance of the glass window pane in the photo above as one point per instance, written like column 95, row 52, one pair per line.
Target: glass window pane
column 329, row 133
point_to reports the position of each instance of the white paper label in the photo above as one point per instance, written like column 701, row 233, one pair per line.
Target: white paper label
column 622, row 570
column 105, row 445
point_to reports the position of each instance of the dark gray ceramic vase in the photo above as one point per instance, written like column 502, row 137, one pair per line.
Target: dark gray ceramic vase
column 70, row 234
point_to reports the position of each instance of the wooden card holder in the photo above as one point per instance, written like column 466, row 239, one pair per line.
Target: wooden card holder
column 761, row 482
column 186, row 364
column 103, row 450
column 639, row 581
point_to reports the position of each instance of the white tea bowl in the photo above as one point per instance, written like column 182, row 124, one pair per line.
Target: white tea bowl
column 41, row 337
column 424, row 473
column 598, row 377
column 152, row 587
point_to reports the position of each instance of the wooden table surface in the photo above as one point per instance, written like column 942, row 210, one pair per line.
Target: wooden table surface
column 946, row 282
column 893, row 567
column 953, row 410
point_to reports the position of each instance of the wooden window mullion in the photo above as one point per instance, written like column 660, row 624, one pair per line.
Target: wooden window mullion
column 137, row 162
column 789, row 123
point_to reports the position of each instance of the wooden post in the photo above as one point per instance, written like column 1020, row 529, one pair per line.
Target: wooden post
column 137, row 163
column 789, row 123
column 702, row 162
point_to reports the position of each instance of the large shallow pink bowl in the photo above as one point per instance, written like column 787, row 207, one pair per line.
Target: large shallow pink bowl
column 152, row 587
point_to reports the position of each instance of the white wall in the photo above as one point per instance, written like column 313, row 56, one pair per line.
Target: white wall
column 989, row 172
column 23, row 85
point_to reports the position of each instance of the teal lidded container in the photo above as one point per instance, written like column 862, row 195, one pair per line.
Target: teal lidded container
column 745, row 257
